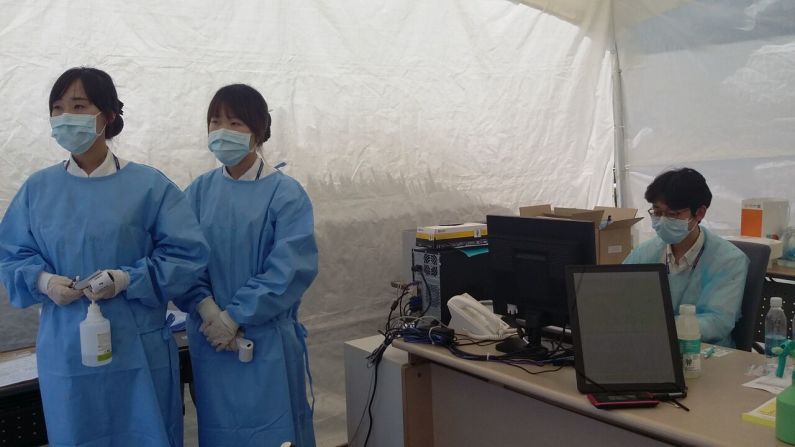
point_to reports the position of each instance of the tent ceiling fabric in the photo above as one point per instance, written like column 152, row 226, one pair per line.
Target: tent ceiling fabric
column 401, row 113
column 393, row 114
column 626, row 13
column 711, row 85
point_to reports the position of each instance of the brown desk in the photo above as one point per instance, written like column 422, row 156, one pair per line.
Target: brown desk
column 449, row 401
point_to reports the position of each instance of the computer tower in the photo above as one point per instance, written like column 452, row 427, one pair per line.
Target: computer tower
column 447, row 273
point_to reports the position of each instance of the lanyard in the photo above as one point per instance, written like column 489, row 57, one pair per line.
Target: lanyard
column 259, row 171
column 695, row 261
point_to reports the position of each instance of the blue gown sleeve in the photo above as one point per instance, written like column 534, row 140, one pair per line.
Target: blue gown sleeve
column 648, row 252
column 200, row 288
column 632, row 257
column 721, row 298
column 289, row 268
column 21, row 259
column 180, row 255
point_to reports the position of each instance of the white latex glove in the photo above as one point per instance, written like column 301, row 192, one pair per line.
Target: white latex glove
column 232, row 346
column 120, row 282
column 60, row 291
column 208, row 309
column 220, row 330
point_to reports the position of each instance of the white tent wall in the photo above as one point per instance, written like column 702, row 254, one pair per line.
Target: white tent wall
column 391, row 113
column 709, row 85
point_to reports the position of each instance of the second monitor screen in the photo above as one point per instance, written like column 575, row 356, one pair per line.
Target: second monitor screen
column 528, row 258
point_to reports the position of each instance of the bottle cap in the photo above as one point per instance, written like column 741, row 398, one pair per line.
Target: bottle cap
column 687, row 309
column 93, row 311
column 775, row 301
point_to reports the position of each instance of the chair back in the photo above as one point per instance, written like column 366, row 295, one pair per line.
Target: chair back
column 759, row 255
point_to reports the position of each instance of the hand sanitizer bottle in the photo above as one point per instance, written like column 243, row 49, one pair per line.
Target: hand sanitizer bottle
column 95, row 345
column 689, row 336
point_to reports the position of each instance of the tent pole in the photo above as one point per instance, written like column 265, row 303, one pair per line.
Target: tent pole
column 619, row 164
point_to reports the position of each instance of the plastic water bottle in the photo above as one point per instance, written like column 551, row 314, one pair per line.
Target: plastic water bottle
column 95, row 347
column 689, row 336
column 775, row 332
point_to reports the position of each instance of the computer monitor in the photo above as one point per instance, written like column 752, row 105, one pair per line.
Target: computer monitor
column 529, row 256
column 624, row 331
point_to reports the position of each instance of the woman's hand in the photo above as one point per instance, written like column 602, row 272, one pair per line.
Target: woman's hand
column 60, row 291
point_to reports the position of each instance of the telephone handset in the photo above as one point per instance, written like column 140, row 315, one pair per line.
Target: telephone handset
column 469, row 317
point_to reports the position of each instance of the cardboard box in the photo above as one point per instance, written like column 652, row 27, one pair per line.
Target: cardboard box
column 458, row 235
column 613, row 242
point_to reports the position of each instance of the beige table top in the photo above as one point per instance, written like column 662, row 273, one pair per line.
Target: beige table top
column 716, row 399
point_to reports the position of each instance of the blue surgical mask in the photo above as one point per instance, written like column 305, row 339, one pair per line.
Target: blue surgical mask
column 671, row 230
column 75, row 132
column 229, row 146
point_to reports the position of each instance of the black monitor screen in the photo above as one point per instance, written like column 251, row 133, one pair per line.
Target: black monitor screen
column 529, row 256
column 627, row 306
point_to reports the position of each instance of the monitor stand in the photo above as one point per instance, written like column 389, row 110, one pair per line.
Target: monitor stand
column 527, row 342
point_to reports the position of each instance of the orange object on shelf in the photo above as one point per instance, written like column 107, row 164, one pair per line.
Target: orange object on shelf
column 751, row 222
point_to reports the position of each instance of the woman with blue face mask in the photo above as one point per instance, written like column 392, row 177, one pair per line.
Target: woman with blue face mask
column 703, row 268
column 259, row 225
column 97, row 211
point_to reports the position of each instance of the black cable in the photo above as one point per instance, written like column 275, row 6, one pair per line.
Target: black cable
column 374, row 360
column 370, row 390
column 533, row 372
column 394, row 305
column 370, row 404
column 427, row 288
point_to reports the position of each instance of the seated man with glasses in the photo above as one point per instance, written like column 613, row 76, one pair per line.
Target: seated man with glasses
column 703, row 269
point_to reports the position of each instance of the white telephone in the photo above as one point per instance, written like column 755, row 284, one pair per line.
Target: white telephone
column 469, row 317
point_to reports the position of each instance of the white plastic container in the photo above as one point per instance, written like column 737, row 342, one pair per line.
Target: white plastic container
column 95, row 346
column 245, row 349
column 689, row 340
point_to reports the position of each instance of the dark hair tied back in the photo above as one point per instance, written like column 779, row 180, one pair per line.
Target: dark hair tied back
column 100, row 90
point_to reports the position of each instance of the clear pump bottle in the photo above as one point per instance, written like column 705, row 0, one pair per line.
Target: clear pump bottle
column 775, row 332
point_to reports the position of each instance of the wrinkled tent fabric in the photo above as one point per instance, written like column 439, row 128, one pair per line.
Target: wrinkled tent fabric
column 711, row 85
column 403, row 113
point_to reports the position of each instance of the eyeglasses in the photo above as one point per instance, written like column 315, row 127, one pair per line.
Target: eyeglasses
column 671, row 214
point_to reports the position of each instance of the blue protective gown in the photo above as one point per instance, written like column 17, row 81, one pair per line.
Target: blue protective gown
column 263, row 257
column 135, row 220
column 716, row 285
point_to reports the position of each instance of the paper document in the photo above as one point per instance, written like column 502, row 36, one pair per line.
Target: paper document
column 764, row 414
column 771, row 383
column 18, row 369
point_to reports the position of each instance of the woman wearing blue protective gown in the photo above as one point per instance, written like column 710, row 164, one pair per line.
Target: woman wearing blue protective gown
column 259, row 225
column 96, row 211
column 703, row 268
